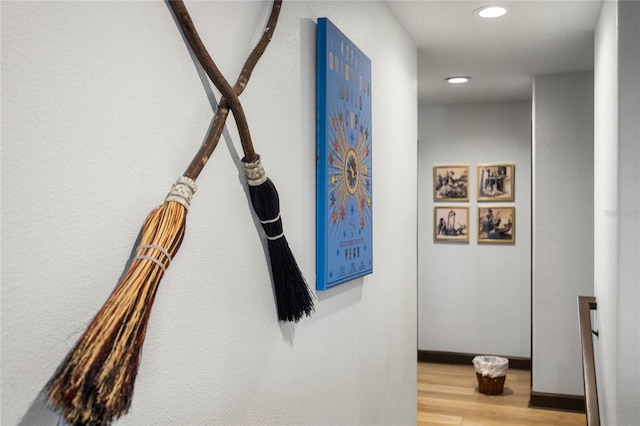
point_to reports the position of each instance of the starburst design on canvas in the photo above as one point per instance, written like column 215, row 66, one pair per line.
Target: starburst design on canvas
column 349, row 171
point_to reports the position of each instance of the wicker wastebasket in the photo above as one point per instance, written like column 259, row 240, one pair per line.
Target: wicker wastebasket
column 491, row 372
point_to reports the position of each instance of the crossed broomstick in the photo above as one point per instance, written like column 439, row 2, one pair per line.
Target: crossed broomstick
column 94, row 384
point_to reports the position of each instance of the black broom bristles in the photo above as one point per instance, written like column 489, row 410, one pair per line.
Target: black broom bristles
column 293, row 297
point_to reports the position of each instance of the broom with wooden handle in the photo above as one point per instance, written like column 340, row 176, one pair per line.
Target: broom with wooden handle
column 94, row 383
column 293, row 297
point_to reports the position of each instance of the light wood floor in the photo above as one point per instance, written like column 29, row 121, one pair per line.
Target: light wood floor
column 448, row 395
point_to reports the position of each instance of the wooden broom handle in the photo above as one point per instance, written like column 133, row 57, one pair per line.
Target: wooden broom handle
column 230, row 94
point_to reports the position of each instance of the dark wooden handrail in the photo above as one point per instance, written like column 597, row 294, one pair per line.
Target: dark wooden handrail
column 585, row 305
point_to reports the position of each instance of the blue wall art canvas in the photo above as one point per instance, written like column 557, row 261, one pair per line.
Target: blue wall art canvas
column 344, row 202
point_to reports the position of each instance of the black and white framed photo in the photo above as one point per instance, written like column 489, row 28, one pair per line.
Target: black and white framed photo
column 496, row 182
column 451, row 183
column 496, row 224
column 451, row 223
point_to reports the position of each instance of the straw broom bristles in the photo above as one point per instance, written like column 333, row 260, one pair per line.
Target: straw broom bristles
column 94, row 384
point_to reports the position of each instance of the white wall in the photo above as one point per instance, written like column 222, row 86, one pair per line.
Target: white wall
column 102, row 110
column 562, row 226
column 617, row 211
column 605, row 227
column 628, row 371
column 475, row 298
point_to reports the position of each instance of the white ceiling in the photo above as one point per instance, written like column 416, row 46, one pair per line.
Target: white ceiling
column 500, row 55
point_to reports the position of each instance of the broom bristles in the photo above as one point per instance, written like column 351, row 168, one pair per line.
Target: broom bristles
column 293, row 297
column 94, row 384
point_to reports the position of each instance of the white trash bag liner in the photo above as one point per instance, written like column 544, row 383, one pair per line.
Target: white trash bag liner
column 492, row 366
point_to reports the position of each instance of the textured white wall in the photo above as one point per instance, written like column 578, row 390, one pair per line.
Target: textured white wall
column 103, row 109
column 617, row 210
column 475, row 298
column 562, row 226
column 605, row 227
column 628, row 395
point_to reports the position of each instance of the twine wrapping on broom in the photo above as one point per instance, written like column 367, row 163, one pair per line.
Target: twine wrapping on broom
column 293, row 297
column 94, row 384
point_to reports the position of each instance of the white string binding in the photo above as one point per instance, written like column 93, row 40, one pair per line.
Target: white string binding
column 155, row 247
column 151, row 258
column 182, row 191
column 276, row 237
column 266, row 222
column 256, row 175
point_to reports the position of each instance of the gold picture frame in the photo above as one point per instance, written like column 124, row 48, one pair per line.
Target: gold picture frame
column 497, row 224
column 451, row 182
column 496, row 182
column 451, row 223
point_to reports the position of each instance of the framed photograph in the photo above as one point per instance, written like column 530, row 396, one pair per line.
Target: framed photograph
column 450, row 183
column 496, row 224
column 344, row 170
column 496, row 182
column 451, row 223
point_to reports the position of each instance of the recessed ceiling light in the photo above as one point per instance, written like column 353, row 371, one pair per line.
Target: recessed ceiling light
column 457, row 80
column 491, row 11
